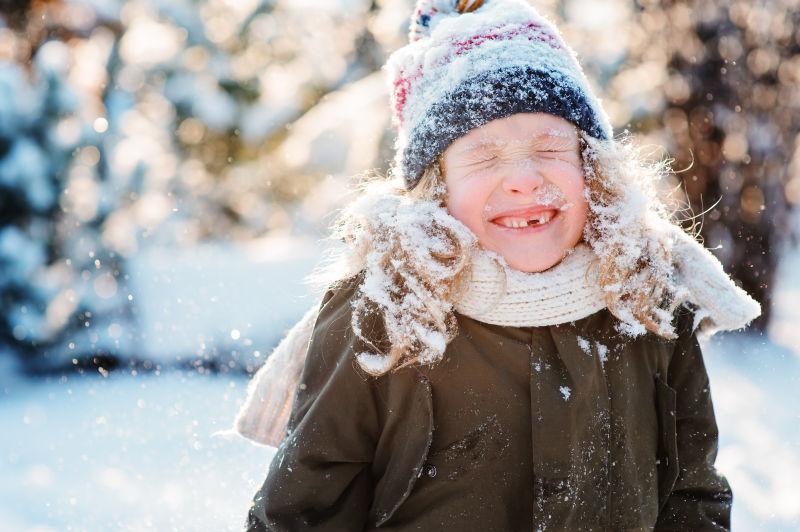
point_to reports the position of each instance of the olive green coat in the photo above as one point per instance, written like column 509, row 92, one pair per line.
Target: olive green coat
column 565, row 427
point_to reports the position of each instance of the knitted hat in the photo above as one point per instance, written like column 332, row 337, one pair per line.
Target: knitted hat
column 469, row 62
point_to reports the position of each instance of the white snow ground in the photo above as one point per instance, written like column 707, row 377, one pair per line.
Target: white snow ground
column 136, row 452
column 220, row 297
column 125, row 453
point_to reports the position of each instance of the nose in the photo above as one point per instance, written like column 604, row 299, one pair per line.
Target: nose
column 522, row 180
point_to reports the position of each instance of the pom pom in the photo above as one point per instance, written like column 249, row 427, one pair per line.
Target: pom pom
column 468, row 6
column 429, row 12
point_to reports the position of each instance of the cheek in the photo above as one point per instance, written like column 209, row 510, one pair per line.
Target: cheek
column 466, row 204
column 572, row 186
column 579, row 211
column 580, row 214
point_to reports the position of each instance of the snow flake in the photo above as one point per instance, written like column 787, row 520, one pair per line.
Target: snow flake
column 583, row 343
column 565, row 392
column 602, row 352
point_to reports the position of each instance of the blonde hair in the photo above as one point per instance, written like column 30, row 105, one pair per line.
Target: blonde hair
column 625, row 228
column 414, row 256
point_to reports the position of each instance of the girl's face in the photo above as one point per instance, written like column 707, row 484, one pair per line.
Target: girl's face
column 517, row 183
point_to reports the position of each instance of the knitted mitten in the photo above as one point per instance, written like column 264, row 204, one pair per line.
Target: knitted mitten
column 722, row 305
column 265, row 412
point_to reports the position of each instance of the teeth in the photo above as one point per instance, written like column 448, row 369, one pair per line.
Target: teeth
column 516, row 223
column 544, row 217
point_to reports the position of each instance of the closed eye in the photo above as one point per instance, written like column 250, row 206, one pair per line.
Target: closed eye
column 566, row 151
column 482, row 160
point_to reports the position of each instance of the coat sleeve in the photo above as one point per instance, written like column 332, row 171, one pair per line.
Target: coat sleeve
column 701, row 497
column 321, row 477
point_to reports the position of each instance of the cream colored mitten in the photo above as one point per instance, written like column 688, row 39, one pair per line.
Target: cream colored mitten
column 723, row 306
column 263, row 417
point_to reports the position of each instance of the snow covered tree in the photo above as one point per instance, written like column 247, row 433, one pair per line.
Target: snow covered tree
column 146, row 124
column 62, row 289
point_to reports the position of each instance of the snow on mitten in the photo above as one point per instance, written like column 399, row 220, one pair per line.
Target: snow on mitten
column 723, row 306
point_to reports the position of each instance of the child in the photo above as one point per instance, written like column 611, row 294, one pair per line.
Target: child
column 511, row 342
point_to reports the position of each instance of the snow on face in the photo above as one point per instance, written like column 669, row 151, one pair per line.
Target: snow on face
column 517, row 183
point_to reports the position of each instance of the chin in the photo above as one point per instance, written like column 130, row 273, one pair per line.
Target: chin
column 529, row 253
column 532, row 266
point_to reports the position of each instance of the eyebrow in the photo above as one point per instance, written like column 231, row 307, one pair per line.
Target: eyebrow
column 552, row 134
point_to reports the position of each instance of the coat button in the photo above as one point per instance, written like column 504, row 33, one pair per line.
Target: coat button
column 430, row 470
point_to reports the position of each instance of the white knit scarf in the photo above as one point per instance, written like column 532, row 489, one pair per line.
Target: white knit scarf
column 501, row 295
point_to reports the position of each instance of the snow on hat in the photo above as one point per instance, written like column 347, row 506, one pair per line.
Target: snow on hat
column 469, row 62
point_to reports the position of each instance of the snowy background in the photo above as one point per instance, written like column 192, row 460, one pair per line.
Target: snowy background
column 169, row 169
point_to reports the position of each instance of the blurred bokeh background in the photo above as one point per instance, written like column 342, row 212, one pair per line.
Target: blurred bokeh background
column 168, row 169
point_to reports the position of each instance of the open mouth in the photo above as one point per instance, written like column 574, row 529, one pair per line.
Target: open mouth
column 537, row 220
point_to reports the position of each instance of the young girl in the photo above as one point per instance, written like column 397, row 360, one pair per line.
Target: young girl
column 510, row 342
